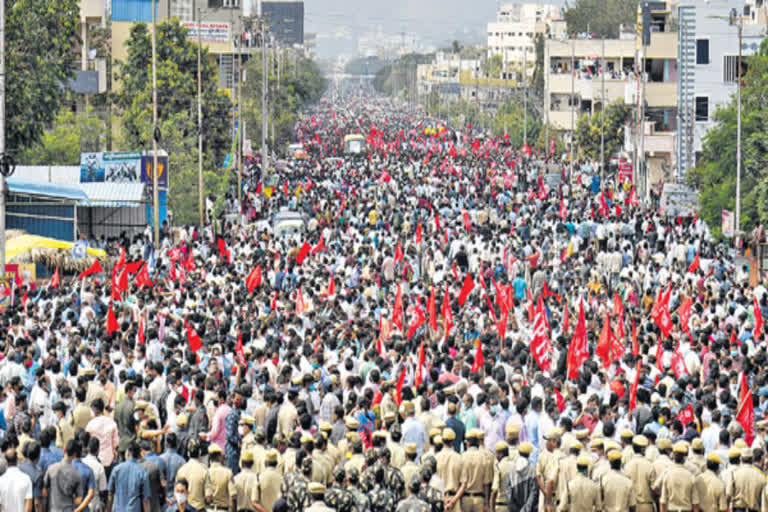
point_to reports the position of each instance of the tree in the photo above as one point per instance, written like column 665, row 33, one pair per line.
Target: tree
column 600, row 17
column 588, row 132
column 715, row 172
column 538, row 72
column 70, row 135
column 492, row 67
column 511, row 116
column 41, row 38
column 176, row 88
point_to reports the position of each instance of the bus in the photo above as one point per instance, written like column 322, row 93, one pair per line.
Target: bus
column 354, row 144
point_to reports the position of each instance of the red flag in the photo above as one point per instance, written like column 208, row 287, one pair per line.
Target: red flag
column 577, row 350
column 746, row 411
column 121, row 259
column 546, row 292
column 566, row 327
column 273, row 304
column 122, row 280
column 195, row 343
column 399, row 387
column 686, row 415
column 93, row 269
column 684, row 313
column 299, row 302
column 320, row 245
column 445, row 311
column 758, row 319
column 633, row 389
column 55, row 279
column 466, row 289
column 223, row 252
column 660, row 312
column 635, row 347
column 417, row 320
column 142, row 341
column 432, row 309
column 437, row 221
column 563, row 211
column 633, row 197
column 142, row 278
column 418, row 233
column 254, row 279
column 603, row 349
column 189, row 263
column 541, row 347
column 397, row 310
column 694, row 264
column 303, row 252
column 331, row 287
column 134, row 266
column 467, row 224
column 114, row 289
column 111, row 320
column 479, row 360
column 678, row 363
column 560, row 400
column 239, row 350
column 618, row 307
column 398, row 252
column 659, row 356
column 419, row 369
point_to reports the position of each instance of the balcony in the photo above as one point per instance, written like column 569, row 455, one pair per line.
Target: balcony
column 663, row 46
column 661, row 94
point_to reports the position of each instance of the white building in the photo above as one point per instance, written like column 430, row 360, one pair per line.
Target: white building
column 513, row 34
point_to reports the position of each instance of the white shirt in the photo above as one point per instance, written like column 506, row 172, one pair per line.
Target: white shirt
column 15, row 489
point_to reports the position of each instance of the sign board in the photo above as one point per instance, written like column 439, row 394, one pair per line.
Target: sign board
column 122, row 167
column 210, row 32
column 26, row 274
column 553, row 179
column 625, row 171
column 728, row 223
column 678, row 200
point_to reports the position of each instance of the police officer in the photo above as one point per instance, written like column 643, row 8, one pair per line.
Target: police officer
column 246, row 433
column 678, row 492
column 267, row 491
column 697, row 459
column 600, row 464
column 616, row 490
column 259, row 450
column 194, row 472
column 662, row 463
column 413, row 503
column 449, row 466
column 710, row 487
column 245, row 481
column 410, row 468
column 502, row 467
column 581, row 494
column 548, row 458
column 219, row 488
column 382, row 499
column 476, row 476
column 747, row 485
column 640, row 470
column 317, row 495
column 336, row 496
column 566, row 469
column 360, row 500
column 428, row 493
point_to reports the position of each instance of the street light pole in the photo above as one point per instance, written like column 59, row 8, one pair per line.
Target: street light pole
column 200, row 184
column 155, row 201
column 573, row 111
column 602, row 115
column 740, row 26
column 2, row 136
column 262, row 30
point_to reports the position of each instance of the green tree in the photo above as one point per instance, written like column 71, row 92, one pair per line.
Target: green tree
column 715, row 172
column 588, row 132
column 492, row 67
column 176, row 88
column 41, row 37
column 511, row 116
column 601, row 17
column 70, row 135
column 538, row 72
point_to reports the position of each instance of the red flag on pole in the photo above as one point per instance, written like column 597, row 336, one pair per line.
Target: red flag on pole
column 418, row 233
column 603, row 348
column 479, row 359
column 195, row 343
column 618, row 307
column 694, row 264
column 320, row 245
column 55, row 279
column 566, row 327
column 417, row 320
column 331, row 287
column 239, row 350
column 299, row 302
column 254, row 279
column 420, row 368
column 437, row 221
column 432, row 309
column 142, row 278
column 635, row 347
column 678, row 363
column 746, row 411
column 303, row 252
column 758, row 318
column 111, row 320
column 397, row 310
column 445, row 311
column 466, row 289
column 399, row 387
column 142, row 340
column 686, row 415
column 398, row 252
column 560, row 400
column 541, row 347
column 95, row 268
column 577, row 350
column 684, row 313
column 467, row 223
column 563, row 211
column 633, row 388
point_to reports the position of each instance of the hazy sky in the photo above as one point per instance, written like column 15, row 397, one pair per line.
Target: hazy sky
column 338, row 23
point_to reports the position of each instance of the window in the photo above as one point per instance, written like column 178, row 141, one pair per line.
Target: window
column 702, row 108
column 702, row 51
column 730, row 63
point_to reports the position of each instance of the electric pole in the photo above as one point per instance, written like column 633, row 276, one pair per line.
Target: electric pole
column 263, row 31
column 155, row 131
column 200, row 184
column 2, row 136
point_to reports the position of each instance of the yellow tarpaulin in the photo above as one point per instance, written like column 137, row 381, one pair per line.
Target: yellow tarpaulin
column 16, row 246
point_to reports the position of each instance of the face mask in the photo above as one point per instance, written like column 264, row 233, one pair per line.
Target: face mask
column 241, row 431
column 181, row 497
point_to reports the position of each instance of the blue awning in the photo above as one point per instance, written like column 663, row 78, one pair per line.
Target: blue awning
column 44, row 189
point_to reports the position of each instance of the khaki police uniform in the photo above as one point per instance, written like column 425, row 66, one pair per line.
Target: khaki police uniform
column 219, row 487
column 475, row 475
column 245, row 482
column 640, row 470
column 678, row 492
column 195, row 473
column 267, row 490
column 499, row 484
column 449, row 464
column 617, row 492
column 581, row 495
column 711, row 492
column 747, row 488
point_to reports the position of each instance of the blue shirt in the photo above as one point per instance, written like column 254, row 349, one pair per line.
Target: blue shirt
column 86, row 474
column 519, row 284
column 153, row 457
column 458, row 428
column 34, row 474
column 48, row 457
column 129, row 485
column 173, row 461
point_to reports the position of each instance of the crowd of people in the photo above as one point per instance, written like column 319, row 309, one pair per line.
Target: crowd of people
column 456, row 325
